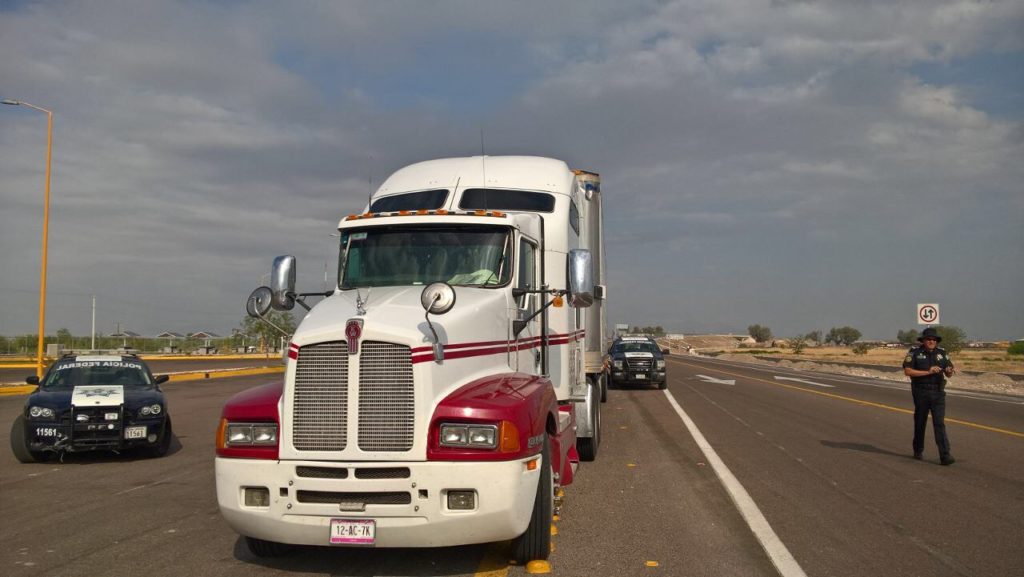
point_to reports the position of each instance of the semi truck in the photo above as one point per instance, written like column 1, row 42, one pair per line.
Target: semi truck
column 445, row 390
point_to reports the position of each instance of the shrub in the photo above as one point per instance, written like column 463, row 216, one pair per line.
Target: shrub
column 1016, row 348
column 861, row 348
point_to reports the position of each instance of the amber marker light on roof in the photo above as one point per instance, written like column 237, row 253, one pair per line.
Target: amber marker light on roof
column 442, row 211
column 404, row 213
column 421, row 211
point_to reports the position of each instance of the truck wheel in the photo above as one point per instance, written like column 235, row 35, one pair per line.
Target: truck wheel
column 535, row 543
column 18, row 445
column 587, row 446
column 164, row 445
column 261, row 548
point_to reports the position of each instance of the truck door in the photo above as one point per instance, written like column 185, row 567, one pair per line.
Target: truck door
column 527, row 356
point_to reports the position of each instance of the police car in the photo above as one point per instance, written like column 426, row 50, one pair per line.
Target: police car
column 637, row 360
column 88, row 403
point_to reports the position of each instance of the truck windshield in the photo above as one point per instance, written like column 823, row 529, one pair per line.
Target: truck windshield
column 407, row 255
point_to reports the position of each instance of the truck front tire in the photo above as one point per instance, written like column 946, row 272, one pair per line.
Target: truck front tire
column 535, row 543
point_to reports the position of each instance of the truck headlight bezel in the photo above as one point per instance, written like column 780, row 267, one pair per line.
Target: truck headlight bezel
column 250, row 435
column 468, row 436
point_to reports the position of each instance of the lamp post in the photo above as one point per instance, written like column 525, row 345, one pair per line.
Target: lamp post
column 46, row 228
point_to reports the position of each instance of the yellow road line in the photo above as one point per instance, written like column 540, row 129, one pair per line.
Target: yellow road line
column 853, row 400
column 214, row 374
column 494, row 563
column 182, row 377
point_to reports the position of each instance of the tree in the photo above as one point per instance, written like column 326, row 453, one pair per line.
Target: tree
column 907, row 337
column 953, row 338
column 814, row 337
column 64, row 337
column 267, row 334
column 759, row 333
column 844, row 336
column 798, row 344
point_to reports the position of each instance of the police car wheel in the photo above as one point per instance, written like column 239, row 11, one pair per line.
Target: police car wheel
column 19, row 445
column 164, row 444
column 663, row 385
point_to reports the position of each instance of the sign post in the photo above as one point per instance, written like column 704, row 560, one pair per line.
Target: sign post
column 928, row 314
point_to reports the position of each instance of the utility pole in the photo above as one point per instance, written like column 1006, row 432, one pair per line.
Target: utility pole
column 93, row 346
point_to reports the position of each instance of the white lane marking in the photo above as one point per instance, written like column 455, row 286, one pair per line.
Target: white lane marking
column 708, row 379
column 778, row 378
column 783, row 560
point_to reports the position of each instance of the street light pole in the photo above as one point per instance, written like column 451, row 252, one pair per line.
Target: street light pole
column 46, row 229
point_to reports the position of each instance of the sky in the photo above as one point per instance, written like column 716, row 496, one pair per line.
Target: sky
column 797, row 164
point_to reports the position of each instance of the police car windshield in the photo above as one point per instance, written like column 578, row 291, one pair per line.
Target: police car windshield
column 69, row 374
column 635, row 347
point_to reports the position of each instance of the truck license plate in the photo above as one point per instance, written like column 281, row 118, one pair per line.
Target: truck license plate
column 641, row 376
column 353, row 531
column 135, row 433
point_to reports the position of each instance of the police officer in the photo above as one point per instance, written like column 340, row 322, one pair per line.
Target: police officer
column 928, row 366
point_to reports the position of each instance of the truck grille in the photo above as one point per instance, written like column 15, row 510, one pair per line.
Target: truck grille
column 386, row 403
column 321, row 398
column 386, row 412
column 639, row 364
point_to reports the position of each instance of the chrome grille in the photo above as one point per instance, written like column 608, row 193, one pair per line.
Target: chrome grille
column 386, row 401
column 639, row 364
column 321, row 398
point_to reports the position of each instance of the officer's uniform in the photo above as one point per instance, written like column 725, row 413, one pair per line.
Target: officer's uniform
column 929, row 395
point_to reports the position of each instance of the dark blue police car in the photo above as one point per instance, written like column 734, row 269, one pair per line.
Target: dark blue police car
column 637, row 361
column 94, row 402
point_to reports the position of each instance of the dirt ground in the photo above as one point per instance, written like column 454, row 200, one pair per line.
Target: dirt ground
column 994, row 365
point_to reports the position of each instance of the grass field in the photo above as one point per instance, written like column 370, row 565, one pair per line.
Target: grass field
column 984, row 360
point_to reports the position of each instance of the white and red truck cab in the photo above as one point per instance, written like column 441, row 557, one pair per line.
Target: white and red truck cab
column 438, row 395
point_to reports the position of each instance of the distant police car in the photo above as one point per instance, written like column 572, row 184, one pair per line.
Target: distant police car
column 88, row 403
column 637, row 360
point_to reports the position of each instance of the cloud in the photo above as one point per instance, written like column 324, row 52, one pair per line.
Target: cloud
column 746, row 147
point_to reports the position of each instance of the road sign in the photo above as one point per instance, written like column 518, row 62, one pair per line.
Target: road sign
column 928, row 314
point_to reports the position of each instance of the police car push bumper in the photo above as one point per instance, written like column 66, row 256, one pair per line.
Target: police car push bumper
column 503, row 494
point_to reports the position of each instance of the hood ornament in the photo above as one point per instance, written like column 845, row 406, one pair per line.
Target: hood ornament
column 361, row 302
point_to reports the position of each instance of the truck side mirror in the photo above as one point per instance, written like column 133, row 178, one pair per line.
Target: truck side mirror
column 581, row 278
column 258, row 304
column 282, row 283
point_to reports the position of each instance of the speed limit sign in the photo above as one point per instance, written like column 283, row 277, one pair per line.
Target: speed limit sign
column 928, row 314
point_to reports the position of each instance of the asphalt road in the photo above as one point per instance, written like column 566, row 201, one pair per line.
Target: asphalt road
column 829, row 469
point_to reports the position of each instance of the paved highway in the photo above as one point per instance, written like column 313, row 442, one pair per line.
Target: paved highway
column 820, row 466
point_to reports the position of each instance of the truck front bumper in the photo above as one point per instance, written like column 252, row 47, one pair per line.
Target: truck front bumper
column 301, row 507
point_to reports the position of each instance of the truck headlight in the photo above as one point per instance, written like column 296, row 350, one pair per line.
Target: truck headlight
column 41, row 413
column 476, row 436
column 250, row 434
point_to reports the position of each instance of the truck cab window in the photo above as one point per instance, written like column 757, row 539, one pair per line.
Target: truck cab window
column 425, row 199
column 397, row 256
column 527, row 272
column 502, row 199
